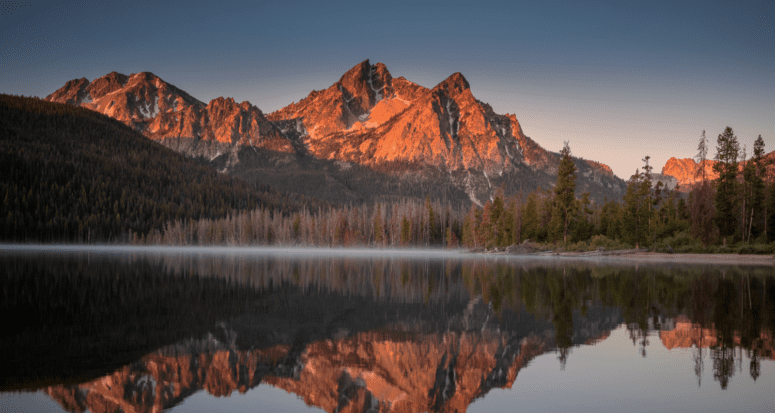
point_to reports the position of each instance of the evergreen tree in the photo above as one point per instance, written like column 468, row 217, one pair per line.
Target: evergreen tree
column 509, row 228
column 584, row 227
column 530, row 217
column 485, row 228
column 497, row 218
column 563, row 213
column 754, row 175
column 635, row 211
column 727, row 149
column 469, row 233
column 647, row 196
column 701, row 204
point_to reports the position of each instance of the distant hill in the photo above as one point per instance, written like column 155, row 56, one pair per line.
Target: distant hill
column 69, row 174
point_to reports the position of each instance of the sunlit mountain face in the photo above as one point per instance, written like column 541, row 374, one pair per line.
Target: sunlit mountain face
column 366, row 135
column 140, row 331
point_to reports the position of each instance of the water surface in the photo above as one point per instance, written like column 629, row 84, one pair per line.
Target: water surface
column 266, row 329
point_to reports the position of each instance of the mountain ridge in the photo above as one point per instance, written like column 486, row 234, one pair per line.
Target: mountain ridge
column 391, row 125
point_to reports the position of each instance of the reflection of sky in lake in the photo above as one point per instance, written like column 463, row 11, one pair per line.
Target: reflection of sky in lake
column 434, row 297
column 612, row 377
column 262, row 399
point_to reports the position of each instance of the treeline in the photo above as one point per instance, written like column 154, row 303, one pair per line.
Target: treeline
column 649, row 216
column 68, row 174
column 738, row 207
column 407, row 222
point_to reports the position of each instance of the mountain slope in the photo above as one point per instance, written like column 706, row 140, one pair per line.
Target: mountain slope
column 399, row 134
column 165, row 113
column 71, row 174
column 369, row 118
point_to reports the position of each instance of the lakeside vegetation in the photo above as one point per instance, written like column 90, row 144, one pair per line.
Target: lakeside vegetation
column 649, row 217
column 73, row 175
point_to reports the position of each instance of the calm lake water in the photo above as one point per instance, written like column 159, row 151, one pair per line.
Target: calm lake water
column 267, row 330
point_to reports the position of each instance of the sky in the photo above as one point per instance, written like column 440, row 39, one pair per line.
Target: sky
column 617, row 80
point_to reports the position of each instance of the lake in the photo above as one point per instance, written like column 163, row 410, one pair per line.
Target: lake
column 122, row 329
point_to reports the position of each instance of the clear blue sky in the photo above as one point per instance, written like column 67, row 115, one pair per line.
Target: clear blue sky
column 618, row 80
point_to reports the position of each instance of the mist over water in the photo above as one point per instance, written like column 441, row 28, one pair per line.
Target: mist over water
column 394, row 330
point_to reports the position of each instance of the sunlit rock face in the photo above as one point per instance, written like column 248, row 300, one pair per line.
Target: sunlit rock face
column 443, row 372
column 367, row 117
column 686, row 172
column 687, row 334
column 435, row 372
column 165, row 113
column 165, row 379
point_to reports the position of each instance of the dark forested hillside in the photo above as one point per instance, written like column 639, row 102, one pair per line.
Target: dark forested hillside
column 71, row 174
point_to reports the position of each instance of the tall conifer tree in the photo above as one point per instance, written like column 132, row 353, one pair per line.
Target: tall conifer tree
column 754, row 174
column 727, row 149
column 563, row 213
column 701, row 204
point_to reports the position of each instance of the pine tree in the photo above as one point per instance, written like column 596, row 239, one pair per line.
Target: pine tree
column 485, row 228
column 701, row 204
column 530, row 218
column 727, row 149
column 648, row 199
column 497, row 218
column 584, row 227
column 469, row 237
column 636, row 209
column 509, row 227
column 754, row 174
column 563, row 213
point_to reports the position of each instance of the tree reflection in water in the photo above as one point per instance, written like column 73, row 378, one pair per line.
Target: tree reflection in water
column 377, row 331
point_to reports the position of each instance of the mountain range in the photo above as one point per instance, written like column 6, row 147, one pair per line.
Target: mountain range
column 367, row 136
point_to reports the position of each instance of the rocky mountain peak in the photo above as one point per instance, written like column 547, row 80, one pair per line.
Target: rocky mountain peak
column 454, row 85
column 366, row 117
column 109, row 83
column 364, row 85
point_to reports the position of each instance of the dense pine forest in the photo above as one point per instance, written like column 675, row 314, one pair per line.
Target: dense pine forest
column 69, row 174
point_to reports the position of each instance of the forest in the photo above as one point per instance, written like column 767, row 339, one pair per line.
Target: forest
column 734, row 214
column 68, row 174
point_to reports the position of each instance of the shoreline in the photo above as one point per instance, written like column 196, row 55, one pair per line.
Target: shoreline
column 656, row 257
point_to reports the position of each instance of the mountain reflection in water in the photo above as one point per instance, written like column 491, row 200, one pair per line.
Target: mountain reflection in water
column 140, row 332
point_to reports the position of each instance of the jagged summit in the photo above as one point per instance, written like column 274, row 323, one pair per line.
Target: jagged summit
column 367, row 117
column 454, row 84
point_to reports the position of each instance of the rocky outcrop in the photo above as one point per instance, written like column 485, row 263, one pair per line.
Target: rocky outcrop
column 167, row 114
column 686, row 172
